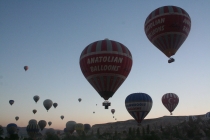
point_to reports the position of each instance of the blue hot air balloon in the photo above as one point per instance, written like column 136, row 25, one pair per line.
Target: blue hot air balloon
column 138, row 105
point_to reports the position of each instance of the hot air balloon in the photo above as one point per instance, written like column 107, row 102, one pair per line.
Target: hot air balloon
column 113, row 111
column 170, row 101
column 138, row 105
column 167, row 28
column 96, row 104
column 36, row 98
column 93, row 112
column 79, row 99
column 55, row 105
column 34, row 111
column 42, row 124
column 62, row 117
column 16, row 118
column 32, row 130
column 49, row 123
column 25, row 68
column 47, row 104
column 79, row 127
column 32, row 121
column 207, row 116
column 11, row 128
column 106, row 64
column 70, row 126
column 87, row 127
column 11, row 102
column 65, row 130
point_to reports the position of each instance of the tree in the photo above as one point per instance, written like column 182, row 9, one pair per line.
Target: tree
column 98, row 132
column 129, row 131
column 138, row 132
column 148, row 129
column 143, row 131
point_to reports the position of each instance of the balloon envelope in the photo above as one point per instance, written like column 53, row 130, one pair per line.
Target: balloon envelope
column 42, row 124
column 167, row 28
column 47, row 104
column 32, row 121
column 170, row 101
column 34, row 111
column 11, row 102
column 32, row 130
column 62, row 117
column 79, row 127
column 11, row 128
column 49, row 123
column 55, row 105
column 87, row 127
column 106, row 64
column 79, row 99
column 25, row 68
column 113, row 111
column 16, row 118
column 138, row 105
column 36, row 98
column 70, row 126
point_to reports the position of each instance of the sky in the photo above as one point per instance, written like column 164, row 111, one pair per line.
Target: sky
column 49, row 36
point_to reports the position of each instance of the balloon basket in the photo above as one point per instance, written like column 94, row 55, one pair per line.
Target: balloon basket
column 106, row 104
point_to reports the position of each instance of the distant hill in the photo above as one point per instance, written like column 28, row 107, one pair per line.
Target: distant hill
column 120, row 126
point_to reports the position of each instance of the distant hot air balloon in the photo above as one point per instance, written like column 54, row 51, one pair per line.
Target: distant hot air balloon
column 70, row 126
column 170, row 101
column 11, row 102
column 25, row 68
column 93, row 112
column 32, row 121
column 87, row 127
column 34, row 111
column 16, row 118
column 47, row 104
column 167, row 28
column 96, row 104
column 55, row 105
column 42, row 124
column 79, row 99
column 113, row 111
column 207, row 116
column 138, row 105
column 36, row 98
column 49, row 123
column 11, row 128
column 32, row 130
column 62, row 117
column 106, row 64
column 79, row 127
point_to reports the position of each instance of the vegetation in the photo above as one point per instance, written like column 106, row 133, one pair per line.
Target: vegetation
column 191, row 130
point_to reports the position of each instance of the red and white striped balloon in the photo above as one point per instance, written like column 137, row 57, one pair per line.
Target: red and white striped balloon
column 170, row 101
column 106, row 64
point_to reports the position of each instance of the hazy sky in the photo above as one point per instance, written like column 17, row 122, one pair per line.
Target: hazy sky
column 49, row 37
